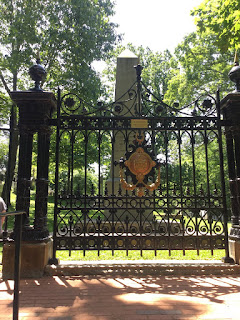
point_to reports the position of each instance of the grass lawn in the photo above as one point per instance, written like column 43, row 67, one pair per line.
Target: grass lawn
column 147, row 255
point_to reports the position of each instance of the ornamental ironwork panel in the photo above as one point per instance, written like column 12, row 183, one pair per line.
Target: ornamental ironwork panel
column 182, row 158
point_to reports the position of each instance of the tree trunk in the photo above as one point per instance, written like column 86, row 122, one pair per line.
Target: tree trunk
column 12, row 156
column 13, row 147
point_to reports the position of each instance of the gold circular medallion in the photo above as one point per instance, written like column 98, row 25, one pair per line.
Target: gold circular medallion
column 140, row 163
column 91, row 243
column 148, row 243
column 120, row 243
column 105, row 243
column 134, row 243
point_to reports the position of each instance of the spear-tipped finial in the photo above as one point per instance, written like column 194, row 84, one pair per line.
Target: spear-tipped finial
column 38, row 57
column 236, row 59
column 139, row 69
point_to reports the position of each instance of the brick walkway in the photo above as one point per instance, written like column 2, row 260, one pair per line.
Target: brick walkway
column 120, row 298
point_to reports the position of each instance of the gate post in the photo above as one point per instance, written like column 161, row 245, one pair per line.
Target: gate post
column 35, row 110
column 230, row 108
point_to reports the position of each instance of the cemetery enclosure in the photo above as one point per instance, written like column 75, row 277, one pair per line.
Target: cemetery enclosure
column 178, row 203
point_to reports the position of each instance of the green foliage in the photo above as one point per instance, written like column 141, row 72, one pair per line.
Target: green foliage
column 77, row 182
column 69, row 34
column 5, row 103
column 196, row 67
column 222, row 19
column 202, row 68
column 76, row 142
column 3, row 157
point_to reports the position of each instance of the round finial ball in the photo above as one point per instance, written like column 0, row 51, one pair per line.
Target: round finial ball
column 234, row 73
column 37, row 72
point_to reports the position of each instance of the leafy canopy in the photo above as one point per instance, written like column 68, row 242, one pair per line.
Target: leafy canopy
column 201, row 68
column 221, row 18
column 69, row 34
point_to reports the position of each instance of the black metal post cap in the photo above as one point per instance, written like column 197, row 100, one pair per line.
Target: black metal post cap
column 38, row 74
column 234, row 74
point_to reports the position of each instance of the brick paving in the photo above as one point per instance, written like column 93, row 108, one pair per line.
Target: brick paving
column 124, row 298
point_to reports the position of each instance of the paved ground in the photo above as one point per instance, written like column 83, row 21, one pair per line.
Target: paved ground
column 121, row 298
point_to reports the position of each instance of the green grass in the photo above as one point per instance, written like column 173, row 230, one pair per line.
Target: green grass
column 135, row 255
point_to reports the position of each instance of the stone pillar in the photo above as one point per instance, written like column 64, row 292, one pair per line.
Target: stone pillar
column 230, row 108
column 35, row 110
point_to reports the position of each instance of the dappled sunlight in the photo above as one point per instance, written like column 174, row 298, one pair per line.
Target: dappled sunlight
column 167, row 303
column 60, row 282
column 130, row 283
column 146, row 298
column 125, row 298
column 204, row 297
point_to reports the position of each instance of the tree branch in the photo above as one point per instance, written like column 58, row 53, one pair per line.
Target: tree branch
column 5, row 84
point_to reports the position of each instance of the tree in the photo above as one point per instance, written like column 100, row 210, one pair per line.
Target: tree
column 222, row 19
column 201, row 68
column 70, row 36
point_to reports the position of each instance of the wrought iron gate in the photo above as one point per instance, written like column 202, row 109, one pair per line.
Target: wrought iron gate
column 105, row 200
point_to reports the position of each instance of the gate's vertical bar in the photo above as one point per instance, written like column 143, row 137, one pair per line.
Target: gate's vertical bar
column 227, row 258
column 153, row 222
column 71, row 167
column 206, row 157
column 112, row 211
column 167, row 183
column 99, row 187
column 71, row 219
column 194, row 181
column 208, row 185
column 100, row 138
column 180, row 178
column 54, row 260
column 86, row 212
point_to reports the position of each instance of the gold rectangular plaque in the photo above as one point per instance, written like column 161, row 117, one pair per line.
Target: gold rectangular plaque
column 139, row 123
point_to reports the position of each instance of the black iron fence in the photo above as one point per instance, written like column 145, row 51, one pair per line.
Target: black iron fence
column 101, row 203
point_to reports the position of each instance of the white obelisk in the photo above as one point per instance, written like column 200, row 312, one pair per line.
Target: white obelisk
column 126, row 73
column 125, row 79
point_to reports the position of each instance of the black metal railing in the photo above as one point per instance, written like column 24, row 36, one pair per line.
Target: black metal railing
column 188, row 211
column 17, row 238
